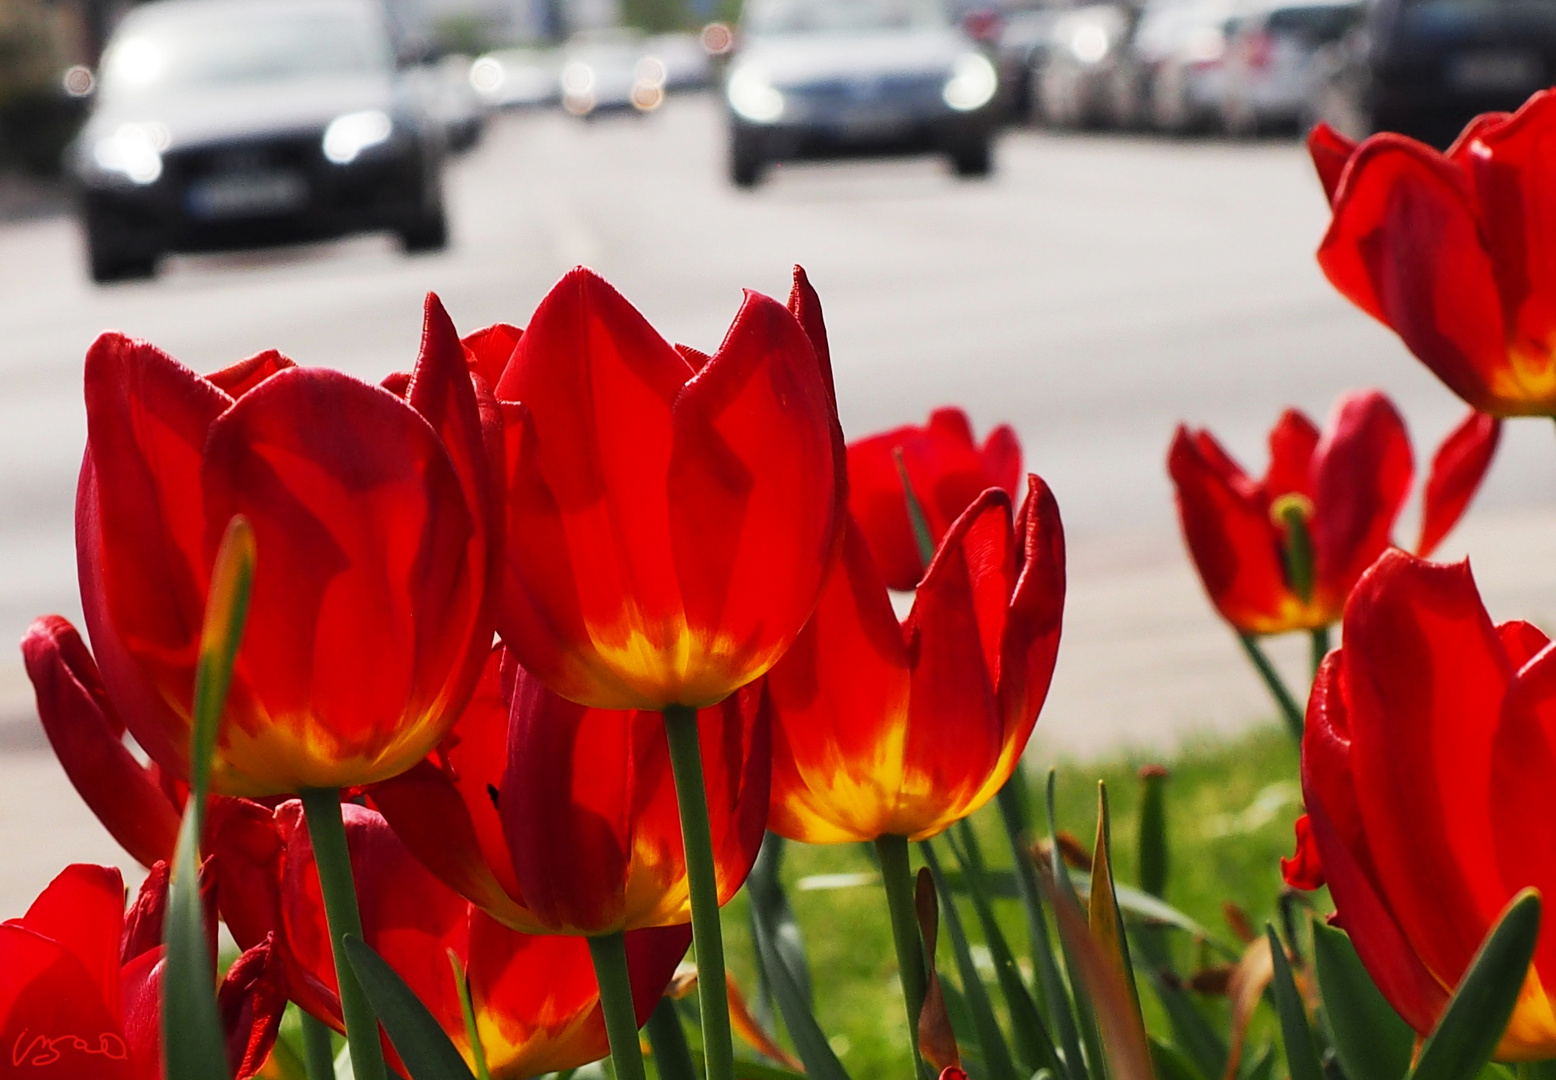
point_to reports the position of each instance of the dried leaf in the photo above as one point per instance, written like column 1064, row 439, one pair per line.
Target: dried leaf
column 753, row 1033
column 1252, row 974
column 936, row 1040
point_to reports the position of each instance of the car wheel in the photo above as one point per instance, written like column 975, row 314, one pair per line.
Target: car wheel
column 745, row 161
column 975, row 158
column 427, row 231
column 109, row 260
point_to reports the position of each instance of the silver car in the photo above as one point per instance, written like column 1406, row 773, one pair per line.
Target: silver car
column 1272, row 74
column 825, row 78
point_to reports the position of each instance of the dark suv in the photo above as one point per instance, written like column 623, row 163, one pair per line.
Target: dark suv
column 241, row 123
column 1425, row 68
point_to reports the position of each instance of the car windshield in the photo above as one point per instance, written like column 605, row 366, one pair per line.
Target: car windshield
column 185, row 49
column 840, row 16
column 1324, row 23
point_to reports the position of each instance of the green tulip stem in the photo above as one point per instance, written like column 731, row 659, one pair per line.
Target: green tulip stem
column 897, row 876
column 318, row 1054
column 1290, row 711
column 326, row 830
column 707, row 935
column 1320, row 646
column 609, row 953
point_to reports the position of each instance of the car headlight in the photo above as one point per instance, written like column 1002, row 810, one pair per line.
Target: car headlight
column 972, row 83
column 753, row 96
column 349, row 135
column 1089, row 43
column 134, row 152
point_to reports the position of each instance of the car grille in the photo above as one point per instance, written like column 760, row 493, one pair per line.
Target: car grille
column 300, row 152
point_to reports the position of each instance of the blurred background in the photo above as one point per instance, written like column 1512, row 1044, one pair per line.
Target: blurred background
column 1089, row 221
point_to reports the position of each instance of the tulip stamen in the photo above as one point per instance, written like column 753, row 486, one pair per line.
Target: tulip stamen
column 1292, row 513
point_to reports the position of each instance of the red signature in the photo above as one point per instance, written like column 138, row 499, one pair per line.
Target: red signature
column 42, row 1050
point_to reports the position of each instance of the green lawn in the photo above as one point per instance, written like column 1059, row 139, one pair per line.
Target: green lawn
column 1230, row 811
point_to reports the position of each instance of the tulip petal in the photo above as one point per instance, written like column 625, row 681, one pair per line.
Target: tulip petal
column 1305, row 869
column 53, row 1011
column 1457, row 470
column 1229, row 534
column 251, row 999
column 805, row 306
column 488, row 350
column 840, row 698
column 1512, row 165
column 143, row 921
column 83, row 910
column 1002, row 459
column 240, row 378
column 87, row 737
column 755, row 486
column 1330, row 152
column 140, row 531
column 140, row 984
column 1425, row 676
column 365, row 597
column 1293, row 442
column 1362, row 472
column 1405, row 247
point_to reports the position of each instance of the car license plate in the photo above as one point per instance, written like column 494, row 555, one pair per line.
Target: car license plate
column 875, row 122
column 247, row 194
column 1492, row 71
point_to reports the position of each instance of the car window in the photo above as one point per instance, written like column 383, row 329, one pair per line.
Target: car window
column 840, row 16
column 231, row 46
column 1321, row 23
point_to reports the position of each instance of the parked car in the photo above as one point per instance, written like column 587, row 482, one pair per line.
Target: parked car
column 1177, row 66
column 1076, row 85
column 608, row 70
column 1273, row 62
column 1019, row 54
column 516, row 78
column 238, row 123
column 452, row 101
column 686, row 62
column 1425, row 68
column 825, row 78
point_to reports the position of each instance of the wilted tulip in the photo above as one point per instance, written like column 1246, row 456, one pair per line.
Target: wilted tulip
column 1452, row 250
column 81, row 987
column 564, row 818
column 671, row 516
column 887, row 729
column 947, row 469
column 1426, row 769
column 1283, row 553
column 374, row 523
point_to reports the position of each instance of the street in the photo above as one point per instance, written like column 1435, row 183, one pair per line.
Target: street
column 1093, row 293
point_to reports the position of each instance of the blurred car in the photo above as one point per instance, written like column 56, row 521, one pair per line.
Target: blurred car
column 687, row 64
column 1273, row 66
column 451, row 100
column 1177, row 66
column 239, row 123
column 514, row 78
column 607, row 70
column 1020, row 53
column 827, row 78
column 1076, row 84
column 1425, row 68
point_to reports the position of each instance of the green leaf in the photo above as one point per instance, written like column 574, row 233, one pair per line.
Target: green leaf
column 191, row 1029
column 672, row 1057
column 1153, row 830
column 810, row 1043
column 1191, row 1032
column 996, row 1052
column 1170, row 1064
column 746, row 1068
column 1263, row 1067
column 1056, row 1000
column 1467, row 1034
column 1065, row 891
column 1107, row 925
column 770, row 904
column 418, row 1038
column 1301, row 1058
column 1370, row 1039
column 1033, row 1044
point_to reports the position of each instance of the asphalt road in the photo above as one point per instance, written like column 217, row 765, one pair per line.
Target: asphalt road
column 1093, row 293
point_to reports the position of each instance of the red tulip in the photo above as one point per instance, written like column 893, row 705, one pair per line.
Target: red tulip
column 372, row 515
column 947, row 469
column 563, row 819
column 1345, row 487
column 535, row 999
column 1450, row 250
column 671, row 516
column 1426, row 769
column 881, row 729
column 81, row 988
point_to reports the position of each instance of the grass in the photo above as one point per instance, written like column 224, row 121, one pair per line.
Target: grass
column 1231, row 806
